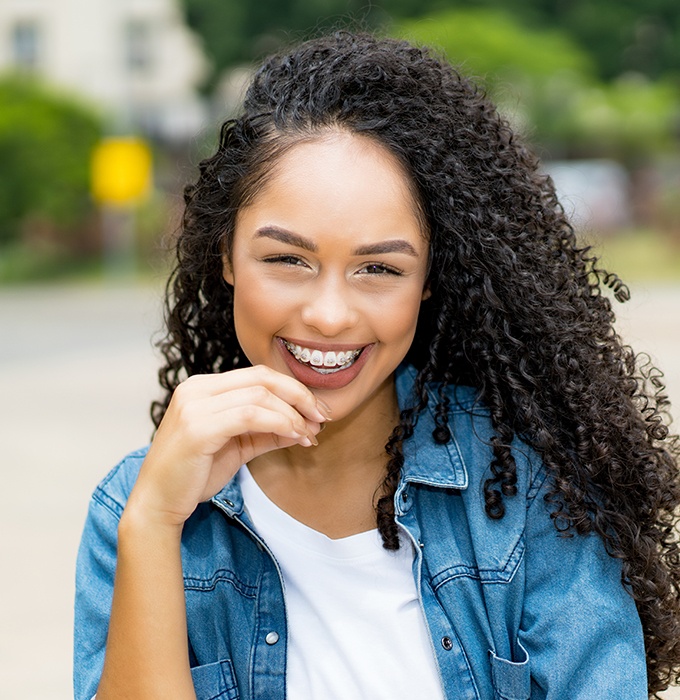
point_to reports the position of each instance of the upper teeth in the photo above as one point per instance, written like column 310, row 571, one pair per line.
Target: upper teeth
column 317, row 358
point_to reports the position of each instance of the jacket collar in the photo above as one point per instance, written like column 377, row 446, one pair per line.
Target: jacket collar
column 425, row 461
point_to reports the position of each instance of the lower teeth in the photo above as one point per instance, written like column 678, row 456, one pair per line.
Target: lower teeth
column 329, row 370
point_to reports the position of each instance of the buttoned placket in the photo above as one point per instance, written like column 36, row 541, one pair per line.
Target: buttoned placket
column 445, row 643
column 268, row 660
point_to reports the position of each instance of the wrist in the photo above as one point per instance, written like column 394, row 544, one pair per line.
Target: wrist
column 140, row 516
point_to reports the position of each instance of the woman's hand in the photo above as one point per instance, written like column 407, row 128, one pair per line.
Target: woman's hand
column 213, row 425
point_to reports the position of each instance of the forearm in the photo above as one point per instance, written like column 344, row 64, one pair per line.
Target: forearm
column 146, row 651
column 213, row 425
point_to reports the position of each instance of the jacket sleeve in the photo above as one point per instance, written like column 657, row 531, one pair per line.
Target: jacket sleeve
column 580, row 626
column 95, row 571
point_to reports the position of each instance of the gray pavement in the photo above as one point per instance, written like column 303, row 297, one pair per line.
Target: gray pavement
column 77, row 373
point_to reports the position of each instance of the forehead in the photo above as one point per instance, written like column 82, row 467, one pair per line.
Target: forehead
column 343, row 154
column 342, row 184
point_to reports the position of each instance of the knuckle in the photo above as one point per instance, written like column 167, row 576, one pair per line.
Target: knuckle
column 266, row 373
column 248, row 413
column 179, row 397
column 187, row 387
column 186, row 412
column 191, row 381
column 259, row 393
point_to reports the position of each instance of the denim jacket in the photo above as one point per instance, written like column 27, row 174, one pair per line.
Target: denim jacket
column 514, row 610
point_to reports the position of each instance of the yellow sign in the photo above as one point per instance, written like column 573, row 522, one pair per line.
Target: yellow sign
column 121, row 171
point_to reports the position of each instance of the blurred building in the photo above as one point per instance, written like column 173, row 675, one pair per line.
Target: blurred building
column 595, row 194
column 135, row 58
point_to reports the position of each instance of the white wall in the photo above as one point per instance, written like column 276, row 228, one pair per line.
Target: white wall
column 84, row 47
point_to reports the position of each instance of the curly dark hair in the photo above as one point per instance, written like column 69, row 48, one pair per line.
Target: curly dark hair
column 517, row 308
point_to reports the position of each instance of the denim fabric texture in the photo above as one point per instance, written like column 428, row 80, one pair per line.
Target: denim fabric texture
column 515, row 610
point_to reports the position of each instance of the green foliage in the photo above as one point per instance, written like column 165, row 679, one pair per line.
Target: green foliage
column 575, row 77
column 492, row 46
column 21, row 263
column 45, row 145
column 629, row 119
column 548, row 87
column 640, row 255
column 234, row 31
column 621, row 36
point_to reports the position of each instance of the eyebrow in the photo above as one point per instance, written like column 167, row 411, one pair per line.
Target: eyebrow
column 283, row 236
column 397, row 245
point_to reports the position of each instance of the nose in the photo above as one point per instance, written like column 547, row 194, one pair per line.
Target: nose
column 329, row 307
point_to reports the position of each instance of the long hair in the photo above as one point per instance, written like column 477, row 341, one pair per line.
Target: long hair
column 517, row 309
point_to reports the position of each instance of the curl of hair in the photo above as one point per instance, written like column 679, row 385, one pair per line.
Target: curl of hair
column 517, row 308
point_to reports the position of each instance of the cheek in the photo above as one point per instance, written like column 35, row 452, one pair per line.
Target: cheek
column 248, row 312
column 258, row 314
column 399, row 317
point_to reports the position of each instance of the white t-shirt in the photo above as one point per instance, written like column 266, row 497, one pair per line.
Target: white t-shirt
column 355, row 625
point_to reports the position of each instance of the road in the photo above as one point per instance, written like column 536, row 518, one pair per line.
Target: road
column 77, row 374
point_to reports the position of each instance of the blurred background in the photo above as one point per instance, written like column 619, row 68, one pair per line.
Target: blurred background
column 107, row 106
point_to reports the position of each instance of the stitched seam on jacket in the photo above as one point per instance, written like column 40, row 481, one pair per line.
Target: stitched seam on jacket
column 536, row 486
column 192, row 583
column 111, row 504
column 504, row 575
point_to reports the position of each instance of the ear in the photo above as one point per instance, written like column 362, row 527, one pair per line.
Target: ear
column 227, row 270
column 427, row 292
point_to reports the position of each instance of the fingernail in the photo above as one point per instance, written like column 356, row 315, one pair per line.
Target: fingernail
column 313, row 440
column 325, row 408
column 321, row 427
column 306, row 442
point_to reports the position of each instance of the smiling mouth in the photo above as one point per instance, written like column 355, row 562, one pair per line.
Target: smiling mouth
column 323, row 362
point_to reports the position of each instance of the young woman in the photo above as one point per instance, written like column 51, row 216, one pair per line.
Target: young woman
column 403, row 452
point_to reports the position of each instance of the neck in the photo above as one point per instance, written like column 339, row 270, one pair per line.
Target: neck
column 332, row 487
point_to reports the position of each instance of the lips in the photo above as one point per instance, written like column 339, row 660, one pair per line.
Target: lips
column 323, row 367
column 323, row 362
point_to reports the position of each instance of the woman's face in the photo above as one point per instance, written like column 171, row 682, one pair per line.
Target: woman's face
column 328, row 266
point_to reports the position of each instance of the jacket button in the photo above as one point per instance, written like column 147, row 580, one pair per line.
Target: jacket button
column 272, row 638
column 229, row 503
column 447, row 643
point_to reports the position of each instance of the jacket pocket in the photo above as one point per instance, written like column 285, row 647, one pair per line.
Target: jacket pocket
column 511, row 679
column 215, row 681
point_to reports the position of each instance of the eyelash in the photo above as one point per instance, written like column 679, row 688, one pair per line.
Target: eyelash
column 291, row 260
column 383, row 269
column 294, row 261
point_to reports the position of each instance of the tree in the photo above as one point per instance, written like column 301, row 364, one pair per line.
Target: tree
column 235, row 32
column 641, row 36
column 620, row 35
column 495, row 48
column 548, row 86
column 45, row 145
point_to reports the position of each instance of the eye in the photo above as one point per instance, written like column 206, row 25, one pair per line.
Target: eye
column 288, row 260
column 379, row 269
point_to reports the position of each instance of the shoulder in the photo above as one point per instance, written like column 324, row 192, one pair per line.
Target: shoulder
column 114, row 489
column 473, row 431
column 465, row 461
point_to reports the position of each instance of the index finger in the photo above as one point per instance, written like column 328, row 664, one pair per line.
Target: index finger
column 288, row 389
